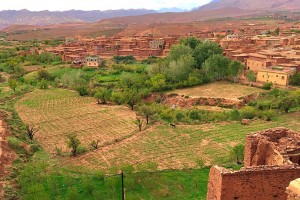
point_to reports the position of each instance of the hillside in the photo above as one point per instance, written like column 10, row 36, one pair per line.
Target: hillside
column 26, row 17
column 274, row 5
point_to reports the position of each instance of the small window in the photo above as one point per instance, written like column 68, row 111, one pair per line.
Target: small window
column 276, row 75
column 235, row 198
column 282, row 77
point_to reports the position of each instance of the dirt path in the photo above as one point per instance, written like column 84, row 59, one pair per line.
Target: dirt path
column 6, row 154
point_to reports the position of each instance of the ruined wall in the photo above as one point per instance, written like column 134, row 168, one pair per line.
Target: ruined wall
column 183, row 101
column 262, row 183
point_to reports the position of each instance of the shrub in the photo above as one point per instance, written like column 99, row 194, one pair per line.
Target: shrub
column 194, row 115
column 179, row 116
column 43, row 74
column 267, row 86
column 14, row 143
column 83, row 90
column 43, row 84
column 248, row 112
column 34, row 148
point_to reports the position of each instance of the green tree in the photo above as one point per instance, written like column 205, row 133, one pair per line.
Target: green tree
column 251, row 77
column 205, row 50
column 146, row 111
column 237, row 153
column 235, row 69
column 179, row 70
column 287, row 102
column 295, row 80
column 130, row 97
column 13, row 84
column 103, row 95
column 139, row 123
column 157, row 83
column 177, row 51
column 191, row 42
column 216, row 67
column 73, row 143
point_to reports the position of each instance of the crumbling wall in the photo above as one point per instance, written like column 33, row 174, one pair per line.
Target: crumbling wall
column 261, row 183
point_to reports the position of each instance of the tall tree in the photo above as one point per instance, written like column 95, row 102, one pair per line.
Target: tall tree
column 179, row 70
column 237, row 153
column 251, row 77
column 235, row 69
column 191, row 42
column 205, row 50
column 216, row 67
column 178, row 51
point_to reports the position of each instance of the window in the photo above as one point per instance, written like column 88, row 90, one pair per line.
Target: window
column 282, row 77
column 276, row 75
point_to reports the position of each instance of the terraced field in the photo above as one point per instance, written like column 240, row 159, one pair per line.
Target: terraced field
column 59, row 112
column 171, row 148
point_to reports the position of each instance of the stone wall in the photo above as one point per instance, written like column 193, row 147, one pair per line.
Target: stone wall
column 271, row 162
column 262, row 183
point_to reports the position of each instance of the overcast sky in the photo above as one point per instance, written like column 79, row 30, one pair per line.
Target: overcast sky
column 53, row 5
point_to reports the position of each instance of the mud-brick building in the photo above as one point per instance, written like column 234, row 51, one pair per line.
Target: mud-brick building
column 276, row 75
column 271, row 163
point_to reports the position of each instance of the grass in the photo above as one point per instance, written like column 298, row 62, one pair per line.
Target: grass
column 221, row 89
column 58, row 112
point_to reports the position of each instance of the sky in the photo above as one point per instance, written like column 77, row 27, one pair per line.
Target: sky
column 59, row 5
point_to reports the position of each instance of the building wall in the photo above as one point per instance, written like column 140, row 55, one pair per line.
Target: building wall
column 255, row 184
column 256, row 65
column 276, row 78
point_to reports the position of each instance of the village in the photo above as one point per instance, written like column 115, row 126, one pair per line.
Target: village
column 274, row 55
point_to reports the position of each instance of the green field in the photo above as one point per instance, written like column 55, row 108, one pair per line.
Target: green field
column 58, row 112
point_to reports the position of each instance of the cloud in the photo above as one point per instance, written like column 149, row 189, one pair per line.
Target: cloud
column 52, row 5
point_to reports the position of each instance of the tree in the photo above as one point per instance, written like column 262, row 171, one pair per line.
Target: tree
column 179, row 70
column 13, row 84
column 157, row 83
column 102, row 95
column 139, row 123
column 73, row 143
column 235, row 69
column 178, row 51
column 216, row 67
column 287, row 102
column 95, row 144
column 191, row 42
column 237, row 153
column 205, row 50
column 146, row 111
column 295, row 80
column 130, row 97
column 251, row 77
column 30, row 131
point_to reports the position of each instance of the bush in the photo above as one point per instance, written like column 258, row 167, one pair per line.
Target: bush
column 248, row 112
column 194, row 115
column 43, row 74
column 14, row 142
column 267, row 86
column 83, row 90
column 81, row 150
column 43, row 84
column 34, row 148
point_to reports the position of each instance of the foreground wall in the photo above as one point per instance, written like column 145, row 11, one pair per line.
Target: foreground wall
column 256, row 183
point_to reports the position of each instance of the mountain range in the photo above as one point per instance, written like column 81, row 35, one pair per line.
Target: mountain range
column 214, row 9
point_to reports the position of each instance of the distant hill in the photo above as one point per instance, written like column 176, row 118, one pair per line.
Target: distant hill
column 270, row 5
column 26, row 17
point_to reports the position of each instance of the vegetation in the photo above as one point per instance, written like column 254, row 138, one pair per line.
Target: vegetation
column 139, row 139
